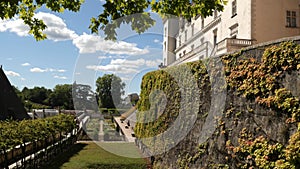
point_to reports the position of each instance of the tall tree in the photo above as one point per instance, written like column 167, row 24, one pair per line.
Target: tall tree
column 62, row 97
column 83, row 97
column 110, row 89
column 108, row 20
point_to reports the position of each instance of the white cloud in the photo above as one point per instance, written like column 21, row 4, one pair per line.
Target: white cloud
column 2, row 25
column 60, row 77
column 14, row 25
column 93, row 43
column 56, row 28
column 57, row 31
column 38, row 70
column 157, row 41
column 61, row 70
column 125, row 78
column 56, row 70
column 112, row 68
column 128, row 63
column 123, row 66
column 153, row 63
column 25, row 64
column 23, row 79
column 104, row 57
column 12, row 73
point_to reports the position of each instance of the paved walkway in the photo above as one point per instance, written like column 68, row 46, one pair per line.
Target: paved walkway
column 127, row 131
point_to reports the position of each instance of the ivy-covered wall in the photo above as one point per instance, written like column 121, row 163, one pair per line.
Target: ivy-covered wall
column 254, row 123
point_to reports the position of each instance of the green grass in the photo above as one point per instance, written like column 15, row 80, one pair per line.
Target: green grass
column 92, row 156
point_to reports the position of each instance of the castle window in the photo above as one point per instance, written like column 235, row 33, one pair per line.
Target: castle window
column 215, row 37
column 234, row 8
column 202, row 41
column 185, row 35
column 182, row 23
column 291, row 19
column 215, row 14
column 202, row 22
column 234, row 30
column 179, row 39
column 193, row 29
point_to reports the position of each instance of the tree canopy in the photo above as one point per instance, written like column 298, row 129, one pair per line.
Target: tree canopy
column 62, row 97
column 25, row 10
column 38, row 95
column 65, row 96
column 84, row 97
column 113, row 15
column 110, row 88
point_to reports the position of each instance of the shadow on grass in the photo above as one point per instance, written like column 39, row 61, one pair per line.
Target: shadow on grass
column 117, row 166
column 64, row 157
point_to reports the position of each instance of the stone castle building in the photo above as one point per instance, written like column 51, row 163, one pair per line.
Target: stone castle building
column 242, row 23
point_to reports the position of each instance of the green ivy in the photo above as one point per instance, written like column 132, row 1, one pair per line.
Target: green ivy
column 259, row 80
column 256, row 80
column 186, row 160
column 261, row 153
column 159, row 84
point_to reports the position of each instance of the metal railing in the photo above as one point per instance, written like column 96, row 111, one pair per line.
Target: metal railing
column 188, row 55
column 226, row 45
column 239, row 42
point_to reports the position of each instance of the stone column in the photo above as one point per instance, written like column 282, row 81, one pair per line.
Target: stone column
column 101, row 133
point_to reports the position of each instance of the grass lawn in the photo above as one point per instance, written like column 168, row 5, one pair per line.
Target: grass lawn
column 90, row 155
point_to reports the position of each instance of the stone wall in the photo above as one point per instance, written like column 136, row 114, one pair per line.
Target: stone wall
column 201, row 150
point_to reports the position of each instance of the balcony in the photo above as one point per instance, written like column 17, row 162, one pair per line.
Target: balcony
column 229, row 45
column 224, row 46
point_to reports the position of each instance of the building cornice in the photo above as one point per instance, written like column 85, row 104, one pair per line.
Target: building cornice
column 200, row 33
column 190, row 54
column 212, row 24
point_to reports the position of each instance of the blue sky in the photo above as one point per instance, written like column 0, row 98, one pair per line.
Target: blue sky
column 71, row 53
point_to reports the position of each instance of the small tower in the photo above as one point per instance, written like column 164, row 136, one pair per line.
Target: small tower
column 171, row 27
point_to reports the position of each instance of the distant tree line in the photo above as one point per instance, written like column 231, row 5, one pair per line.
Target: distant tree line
column 41, row 97
column 109, row 92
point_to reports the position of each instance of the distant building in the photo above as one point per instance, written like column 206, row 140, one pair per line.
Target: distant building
column 242, row 23
column 10, row 105
column 43, row 113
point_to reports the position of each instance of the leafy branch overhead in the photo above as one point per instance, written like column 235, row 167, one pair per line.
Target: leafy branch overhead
column 115, row 12
column 25, row 10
